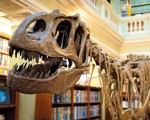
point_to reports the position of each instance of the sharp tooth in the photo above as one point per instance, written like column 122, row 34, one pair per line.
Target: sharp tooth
column 40, row 55
column 23, row 72
column 30, row 74
column 44, row 58
column 36, row 75
column 23, row 53
column 27, row 55
column 13, row 49
column 16, row 53
column 49, row 73
column 37, row 57
column 49, row 58
column 34, row 54
column 46, row 75
column 10, row 51
column 14, row 68
column 21, row 66
column 41, row 75
column 29, row 66
column 20, row 52
column 25, row 65
column 30, row 56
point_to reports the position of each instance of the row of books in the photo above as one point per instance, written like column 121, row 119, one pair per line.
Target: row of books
column 4, row 60
column 61, row 113
column 80, row 96
column 80, row 112
column 65, row 98
column 4, row 45
column 94, row 96
column 94, row 110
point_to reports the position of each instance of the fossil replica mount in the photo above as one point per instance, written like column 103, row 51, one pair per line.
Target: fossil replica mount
column 64, row 41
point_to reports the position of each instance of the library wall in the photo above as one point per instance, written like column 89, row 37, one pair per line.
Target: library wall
column 135, row 47
column 116, row 6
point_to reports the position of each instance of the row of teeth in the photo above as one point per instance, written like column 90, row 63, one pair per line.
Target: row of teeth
column 40, row 71
column 28, row 55
column 23, row 70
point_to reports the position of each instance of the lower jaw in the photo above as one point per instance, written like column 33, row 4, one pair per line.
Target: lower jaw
column 57, row 84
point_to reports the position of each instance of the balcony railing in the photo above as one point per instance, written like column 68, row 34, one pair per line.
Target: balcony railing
column 103, row 9
column 135, row 27
column 128, row 27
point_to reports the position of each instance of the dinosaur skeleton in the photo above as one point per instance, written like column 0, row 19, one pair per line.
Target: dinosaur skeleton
column 56, row 38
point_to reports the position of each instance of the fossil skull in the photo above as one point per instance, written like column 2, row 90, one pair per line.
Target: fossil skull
column 54, row 38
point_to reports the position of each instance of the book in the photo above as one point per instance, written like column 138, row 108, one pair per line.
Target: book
column 61, row 113
column 4, row 95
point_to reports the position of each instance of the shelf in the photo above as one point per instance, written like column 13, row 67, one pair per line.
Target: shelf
column 93, row 103
column 2, row 52
column 3, row 77
column 81, row 103
column 96, row 116
column 82, row 119
column 142, row 4
column 61, row 104
column 140, row 13
column 80, row 87
column 94, row 88
column 7, row 106
column 7, row 68
column 6, row 36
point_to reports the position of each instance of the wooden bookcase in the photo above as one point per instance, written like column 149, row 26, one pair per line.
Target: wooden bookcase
column 79, row 103
column 10, row 111
column 4, row 51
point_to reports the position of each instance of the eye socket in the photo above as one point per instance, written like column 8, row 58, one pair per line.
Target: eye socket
column 36, row 26
column 62, row 34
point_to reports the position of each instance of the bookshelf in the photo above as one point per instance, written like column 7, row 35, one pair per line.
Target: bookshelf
column 79, row 103
column 4, row 51
column 140, row 6
column 124, row 8
column 9, row 109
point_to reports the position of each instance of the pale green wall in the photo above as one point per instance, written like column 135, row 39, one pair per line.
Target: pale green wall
column 116, row 6
column 26, row 107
